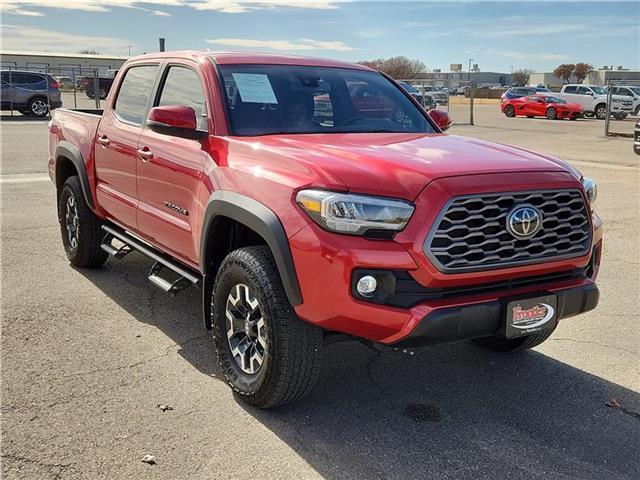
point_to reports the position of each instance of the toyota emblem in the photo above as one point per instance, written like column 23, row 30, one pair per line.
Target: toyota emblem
column 524, row 221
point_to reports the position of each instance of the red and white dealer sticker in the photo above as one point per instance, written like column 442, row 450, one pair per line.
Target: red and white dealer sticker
column 531, row 315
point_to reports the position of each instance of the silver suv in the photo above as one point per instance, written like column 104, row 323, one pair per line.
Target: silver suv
column 30, row 93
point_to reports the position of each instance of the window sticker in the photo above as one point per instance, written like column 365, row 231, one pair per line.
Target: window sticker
column 254, row 88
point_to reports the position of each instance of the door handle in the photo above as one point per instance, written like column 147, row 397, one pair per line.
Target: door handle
column 104, row 141
column 145, row 154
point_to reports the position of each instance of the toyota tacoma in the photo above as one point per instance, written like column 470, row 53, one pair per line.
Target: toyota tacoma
column 313, row 201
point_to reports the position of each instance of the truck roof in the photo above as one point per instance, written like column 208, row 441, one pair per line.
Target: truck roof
column 235, row 58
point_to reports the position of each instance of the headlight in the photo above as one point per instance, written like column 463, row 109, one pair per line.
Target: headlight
column 591, row 188
column 354, row 214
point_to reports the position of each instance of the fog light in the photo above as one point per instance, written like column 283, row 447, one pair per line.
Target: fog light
column 367, row 286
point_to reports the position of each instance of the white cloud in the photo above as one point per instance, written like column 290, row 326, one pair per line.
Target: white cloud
column 160, row 13
column 243, row 6
column 372, row 33
column 16, row 37
column 303, row 44
column 33, row 7
column 541, row 56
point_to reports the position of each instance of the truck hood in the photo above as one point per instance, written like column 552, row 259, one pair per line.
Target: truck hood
column 402, row 164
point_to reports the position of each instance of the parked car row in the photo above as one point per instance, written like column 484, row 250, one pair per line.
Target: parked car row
column 573, row 101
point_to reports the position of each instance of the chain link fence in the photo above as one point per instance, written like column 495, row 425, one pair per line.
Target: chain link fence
column 623, row 108
column 35, row 91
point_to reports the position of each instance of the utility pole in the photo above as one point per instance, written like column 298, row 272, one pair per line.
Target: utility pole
column 470, row 60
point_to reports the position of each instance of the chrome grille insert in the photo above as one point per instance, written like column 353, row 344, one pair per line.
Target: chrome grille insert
column 470, row 233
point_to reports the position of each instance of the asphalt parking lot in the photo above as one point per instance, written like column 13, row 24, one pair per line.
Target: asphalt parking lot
column 87, row 357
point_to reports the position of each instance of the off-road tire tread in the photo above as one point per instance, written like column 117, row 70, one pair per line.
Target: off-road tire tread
column 293, row 371
column 503, row 345
column 88, row 254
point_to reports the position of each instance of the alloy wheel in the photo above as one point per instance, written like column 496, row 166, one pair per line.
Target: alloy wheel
column 246, row 329
column 72, row 220
column 39, row 107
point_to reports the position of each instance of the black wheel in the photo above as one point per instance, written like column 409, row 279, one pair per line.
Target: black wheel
column 637, row 111
column 509, row 111
column 90, row 94
column 102, row 92
column 588, row 114
column 619, row 115
column 38, row 107
column 80, row 229
column 499, row 344
column 552, row 113
column 268, row 355
column 601, row 111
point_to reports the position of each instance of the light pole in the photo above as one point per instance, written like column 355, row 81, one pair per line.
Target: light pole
column 511, row 77
column 470, row 60
column 129, row 50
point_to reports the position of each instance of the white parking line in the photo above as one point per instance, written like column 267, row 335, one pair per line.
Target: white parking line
column 24, row 178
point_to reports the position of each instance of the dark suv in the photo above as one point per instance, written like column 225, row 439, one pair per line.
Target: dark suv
column 31, row 93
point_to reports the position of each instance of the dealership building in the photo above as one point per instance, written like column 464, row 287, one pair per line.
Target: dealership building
column 598, row 77
column 60, row 63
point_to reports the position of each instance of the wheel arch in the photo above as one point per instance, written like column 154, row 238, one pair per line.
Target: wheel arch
column 224, row 207
column 69, row 162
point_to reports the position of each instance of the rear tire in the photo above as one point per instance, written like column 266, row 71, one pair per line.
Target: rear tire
column 38, row 107
column 268, row 355
column 80, row 228
column 619, row 116
column 504, row 345
column 552, row 113
column 509, row 111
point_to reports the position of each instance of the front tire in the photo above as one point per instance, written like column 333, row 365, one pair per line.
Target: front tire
column 505, row 345
column 601, row 111
column 268, row 355
column 509, row 111
column 80, row 228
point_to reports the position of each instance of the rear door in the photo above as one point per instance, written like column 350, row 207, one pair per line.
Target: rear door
column 116, row 144
column 170, row 177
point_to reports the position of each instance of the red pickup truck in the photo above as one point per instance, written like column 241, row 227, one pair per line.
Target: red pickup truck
column 313, row 201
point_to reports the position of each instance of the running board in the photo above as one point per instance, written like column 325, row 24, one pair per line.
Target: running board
column 162, row 261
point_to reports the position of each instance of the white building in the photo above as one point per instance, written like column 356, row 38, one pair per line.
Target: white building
column 60, row 63
column 597, row 77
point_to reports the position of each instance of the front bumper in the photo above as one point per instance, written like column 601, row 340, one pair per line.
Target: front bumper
column 485, row 319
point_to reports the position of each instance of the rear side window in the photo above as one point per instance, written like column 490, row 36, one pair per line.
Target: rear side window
column 135, row 90
column 570, row 89
column 583, row 90
column 182, row 87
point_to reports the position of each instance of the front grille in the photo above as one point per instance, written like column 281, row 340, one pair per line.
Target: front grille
column 471, row 233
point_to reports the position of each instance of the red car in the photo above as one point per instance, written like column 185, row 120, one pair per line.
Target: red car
column 553, row 108
column 313, row 201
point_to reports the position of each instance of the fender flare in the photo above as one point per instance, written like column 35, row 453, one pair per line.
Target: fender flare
column 71, row 152
column 264, row 222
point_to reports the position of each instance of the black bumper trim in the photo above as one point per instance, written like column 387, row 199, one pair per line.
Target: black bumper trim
column 485, row 319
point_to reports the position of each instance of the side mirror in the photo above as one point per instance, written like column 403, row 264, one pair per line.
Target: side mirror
column 441, row 118
column 175, row 120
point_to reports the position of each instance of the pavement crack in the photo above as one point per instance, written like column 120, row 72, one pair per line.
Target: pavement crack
column 589, row 342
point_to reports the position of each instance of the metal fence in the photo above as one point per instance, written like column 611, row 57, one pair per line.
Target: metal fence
column 35, row 91
column 619, row 123
column 456, row 98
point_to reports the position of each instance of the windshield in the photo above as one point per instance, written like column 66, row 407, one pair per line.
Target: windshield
column 554, row 100
column 635, row 90
column 599, row 90
column 285, row 99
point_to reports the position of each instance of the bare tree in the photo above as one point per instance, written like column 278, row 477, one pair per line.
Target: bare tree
column 520, row 78
column 564, row 71
column 582, row 71
column 89, row 51
column 397, row 67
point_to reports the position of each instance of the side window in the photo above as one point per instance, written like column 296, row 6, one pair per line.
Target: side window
column 583, row 90
column 182, row 87
column 135, row 90
column 571, row 89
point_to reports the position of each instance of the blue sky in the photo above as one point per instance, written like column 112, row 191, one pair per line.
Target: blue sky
column 498, row 35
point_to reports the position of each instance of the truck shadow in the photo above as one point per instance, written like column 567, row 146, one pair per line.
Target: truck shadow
column 452, row 411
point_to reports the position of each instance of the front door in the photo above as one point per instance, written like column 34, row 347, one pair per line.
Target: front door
column 116, row 145
column 169, row 174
